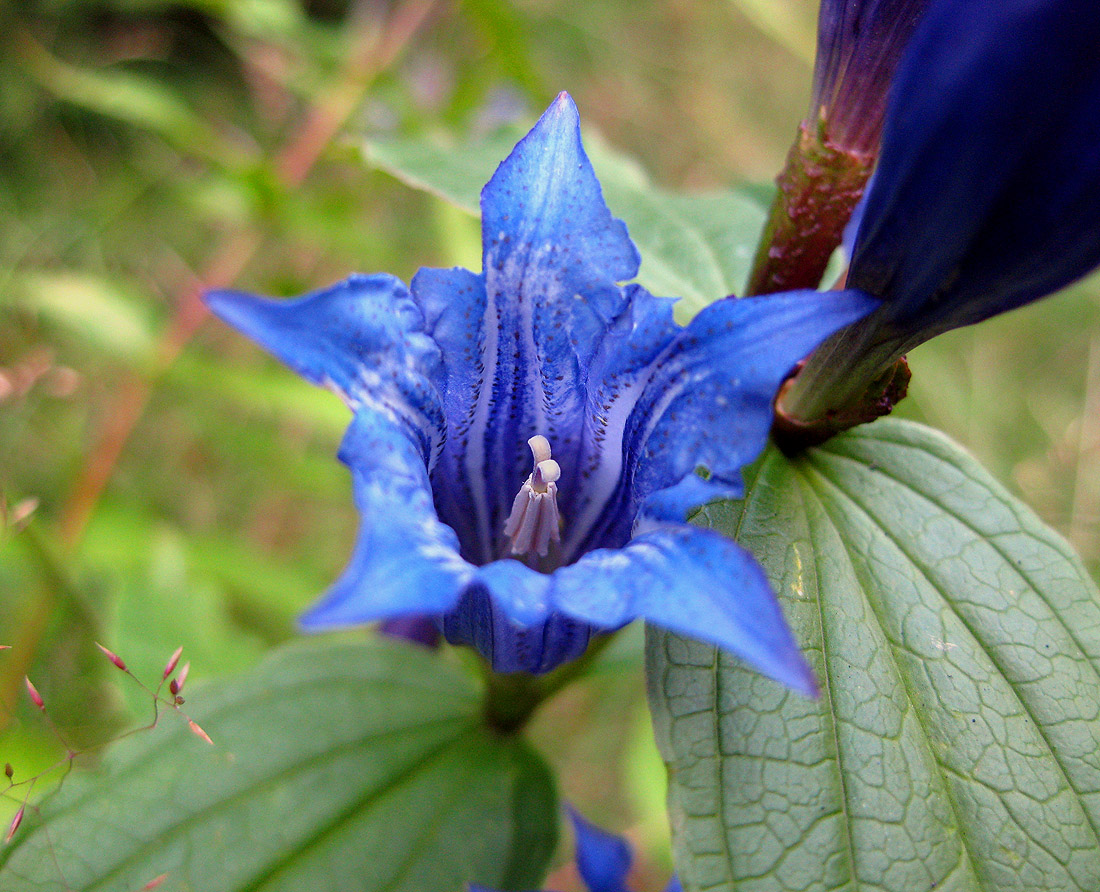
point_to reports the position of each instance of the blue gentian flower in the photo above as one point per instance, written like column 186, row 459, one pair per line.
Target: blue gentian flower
column 603, row 859
column 527, row 441
column 987, row 193
column 859, row 45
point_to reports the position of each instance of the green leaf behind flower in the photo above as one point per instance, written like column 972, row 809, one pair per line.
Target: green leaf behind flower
column 956, row 742
column 356, row 766
column 695, row 247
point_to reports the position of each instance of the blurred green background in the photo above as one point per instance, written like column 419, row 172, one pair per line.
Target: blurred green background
column 163, row 483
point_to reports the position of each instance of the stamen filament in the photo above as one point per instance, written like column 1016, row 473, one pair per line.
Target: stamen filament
column 535, row 521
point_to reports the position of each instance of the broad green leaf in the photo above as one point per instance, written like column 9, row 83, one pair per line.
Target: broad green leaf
column 105, row 313
column 695, row 247
column 956, row 742
column 353, row 766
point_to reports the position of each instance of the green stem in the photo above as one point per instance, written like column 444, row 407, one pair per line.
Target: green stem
column 856, row 376
column 511, row 699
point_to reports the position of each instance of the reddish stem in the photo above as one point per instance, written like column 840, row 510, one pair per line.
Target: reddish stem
column 818, row 189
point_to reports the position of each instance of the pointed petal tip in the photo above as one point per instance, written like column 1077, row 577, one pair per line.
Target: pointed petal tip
column 564, row 101
column 318, row 619
column 236, row 308
column 807, row 684
column 788, row 667
column 562, row 112
column 217, row 301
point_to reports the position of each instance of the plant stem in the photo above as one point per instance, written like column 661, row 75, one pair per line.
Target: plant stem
column 511, row 699
column 818, row 189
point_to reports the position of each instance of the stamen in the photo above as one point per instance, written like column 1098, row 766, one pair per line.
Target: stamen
column 535, row 522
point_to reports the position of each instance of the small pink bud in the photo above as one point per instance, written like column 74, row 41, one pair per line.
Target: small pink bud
column 36, row 698
column 198, row 732
column 170, row 667
column 15, row 822
column 183, row 677
column 153, row 883
column 5, row 647
column 22, row 510
column 112, row 656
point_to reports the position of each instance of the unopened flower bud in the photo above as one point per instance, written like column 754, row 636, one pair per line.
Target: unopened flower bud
column 32, row 691
column 15, row 822
column 115, row 659
column 859, row 45
column 170, row 666
column 181, row 679
column 198, row 732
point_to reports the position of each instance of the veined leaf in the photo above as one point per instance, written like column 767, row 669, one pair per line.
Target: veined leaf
column 695, row 247
column 356, row 766
column 956, row 742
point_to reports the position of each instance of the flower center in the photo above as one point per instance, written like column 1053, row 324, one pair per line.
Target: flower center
column 535, row 522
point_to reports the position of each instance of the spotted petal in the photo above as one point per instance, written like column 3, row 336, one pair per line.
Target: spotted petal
column 683, row 578
column 361, row 338
column 703, row 400
column 518, row 337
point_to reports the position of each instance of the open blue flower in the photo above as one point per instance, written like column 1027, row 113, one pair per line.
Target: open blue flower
column 603, row 859
column 527, row 441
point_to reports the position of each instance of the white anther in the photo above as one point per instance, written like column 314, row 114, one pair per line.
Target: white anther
column 534, row 521
column 545, row 473
column 540, row 448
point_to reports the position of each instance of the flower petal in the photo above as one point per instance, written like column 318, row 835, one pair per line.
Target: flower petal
column 486, row 619
column 361, row 338
column 989, row 178
column 683, row 578
column 405, row 561
column 603, row 858
column 620, row 367
column 453, row 302
column 708, row 400
column 691, row 581
column 553, row 259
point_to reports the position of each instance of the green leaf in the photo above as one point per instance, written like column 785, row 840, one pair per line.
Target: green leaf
column 129, row 96
column 956, row 742
column 106, row 313
column 695, row 247
column 336, row 766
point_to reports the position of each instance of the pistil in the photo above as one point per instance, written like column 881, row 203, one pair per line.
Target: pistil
column 535, row 522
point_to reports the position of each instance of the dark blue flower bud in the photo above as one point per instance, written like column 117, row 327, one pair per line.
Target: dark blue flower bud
column 987, row 194
column 859, row 44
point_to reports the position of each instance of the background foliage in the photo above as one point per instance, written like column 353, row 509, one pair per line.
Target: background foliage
column 183, row 485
